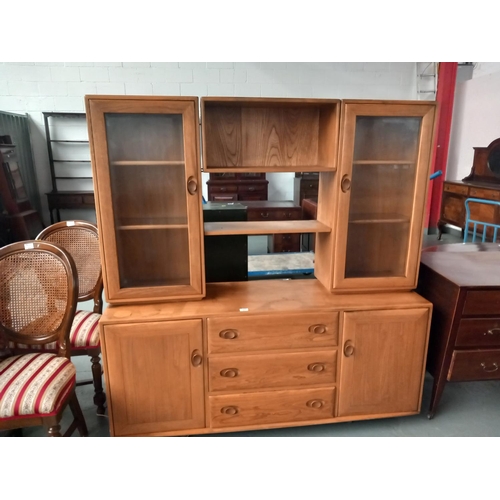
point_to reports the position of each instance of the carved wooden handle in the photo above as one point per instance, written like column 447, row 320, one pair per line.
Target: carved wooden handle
column 345, row 184
column 229, row 372
column 315, row 403
column 228, row 334
column 316, row 367
column 348, row 349
column 229, row 410
column 192, row 185
column 196, row 358
column 317, row 328
column 489, row 370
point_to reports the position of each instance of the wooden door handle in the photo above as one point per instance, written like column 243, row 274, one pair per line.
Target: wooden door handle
column 316, row 367
column 228, row 334
column 320, row 328
column 348, row 349
column 229, row 372
column 196, row 358
column 229, row 410
column 315, row 403
column 192, row 186
column 345, row 184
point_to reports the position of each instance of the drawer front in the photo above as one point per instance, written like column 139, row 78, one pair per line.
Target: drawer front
column 254, row 333
column 478, row 302
column 261, row 371
column 223, row 197
column 270, row 214
column 68, row 201
column 479, row 332
column 487, row 194
column 223, row 189
column 455, row 188
column 252, row 189
column 475, row 365
column 88, row 199
column 453, row 209
column 272, row 407
column 284, row 243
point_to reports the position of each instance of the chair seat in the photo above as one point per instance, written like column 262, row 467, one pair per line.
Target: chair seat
column 34, row 385
column 84, row 334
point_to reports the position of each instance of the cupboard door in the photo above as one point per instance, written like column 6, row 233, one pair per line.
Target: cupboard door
column 384, row 170
column 383, row 362
column 147, row 180
column 154, row 374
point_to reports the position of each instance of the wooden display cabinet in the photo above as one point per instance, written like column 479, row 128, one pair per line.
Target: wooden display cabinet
column 261, row 354
column 145, row 160
column 376, row 201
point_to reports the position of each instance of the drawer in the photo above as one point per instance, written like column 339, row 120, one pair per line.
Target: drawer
column 479, row 332
column 261, row 371
column 223, row 197
column 456, row 188
column 88, row 199
column 284, row 243
column 481, row 364
column 272, row 407
column 482, row 302
column 282, row 214
column 487, row 194
column 67, row 201
column 223, row 189
column 253, row 333
column 252, row 189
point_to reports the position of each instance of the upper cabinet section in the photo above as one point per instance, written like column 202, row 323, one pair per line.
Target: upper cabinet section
column 269, row 135
column 145, row 161
column 382, row 183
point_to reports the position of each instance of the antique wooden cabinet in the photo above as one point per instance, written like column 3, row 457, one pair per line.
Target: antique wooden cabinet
column 483, row 183
column 261, row 354
column 237, row 187
column 145, row 160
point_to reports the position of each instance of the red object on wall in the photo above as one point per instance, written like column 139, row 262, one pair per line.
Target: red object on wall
column 445, row 95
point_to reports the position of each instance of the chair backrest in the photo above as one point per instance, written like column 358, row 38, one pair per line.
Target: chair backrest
column 487, row 209
column 81, row 240
column 38, row 294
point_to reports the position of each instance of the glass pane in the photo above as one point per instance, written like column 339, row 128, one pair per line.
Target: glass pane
column 381, row 201
column 148, row 189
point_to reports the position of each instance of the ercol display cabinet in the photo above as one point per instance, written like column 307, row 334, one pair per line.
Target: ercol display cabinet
column 185, row 357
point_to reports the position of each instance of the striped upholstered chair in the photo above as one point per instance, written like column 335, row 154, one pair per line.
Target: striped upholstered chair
column 38, row 296
column 81, row 240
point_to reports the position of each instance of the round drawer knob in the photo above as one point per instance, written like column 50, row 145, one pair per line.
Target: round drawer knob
column 315, row 403
column 229, row 410
column 228, row 334
column 316, row 367
column 229, row 372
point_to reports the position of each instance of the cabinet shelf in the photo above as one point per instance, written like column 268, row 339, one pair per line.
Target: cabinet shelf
column 372, row 218
column 140, row 163
column 262, row 169
column 74, row 177
column 148, row 223
column 383, row 162
column 265, row 227
column 72, row 142
column 71, row 161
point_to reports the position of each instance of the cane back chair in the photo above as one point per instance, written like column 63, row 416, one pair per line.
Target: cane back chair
column 81, row 240
column 38, row 297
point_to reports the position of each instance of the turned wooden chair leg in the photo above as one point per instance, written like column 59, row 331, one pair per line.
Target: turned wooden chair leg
column 99, row 396
column 78, row 416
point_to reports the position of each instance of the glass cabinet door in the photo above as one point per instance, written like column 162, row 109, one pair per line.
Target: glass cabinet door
column 147, row 180
column 383, row 178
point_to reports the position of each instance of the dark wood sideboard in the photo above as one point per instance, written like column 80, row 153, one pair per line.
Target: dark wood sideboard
column 463, row 283
column 483, row 182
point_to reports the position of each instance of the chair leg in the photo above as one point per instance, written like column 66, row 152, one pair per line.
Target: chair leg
column 99, row 396
column 78, row 416
column 55, row 431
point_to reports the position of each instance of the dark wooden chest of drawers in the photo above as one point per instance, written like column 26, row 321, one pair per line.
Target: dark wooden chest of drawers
column 237, row 187
column 464, row 288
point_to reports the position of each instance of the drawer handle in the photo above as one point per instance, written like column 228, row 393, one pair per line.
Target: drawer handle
column 223, row 189
column 345, row 184
column 196, row 358
column 192, row 185
column 348, row 349
column 489, row 370
column 251, row 189
column 289, row 215
column 316, row 367
column 492, row 331
column 318, row 328
column 228, row 334
column 264, row 214
column 315, row 403
column 229, row 372
column 229, row 410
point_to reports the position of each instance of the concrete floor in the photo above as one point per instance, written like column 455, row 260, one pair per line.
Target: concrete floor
column 469, row 409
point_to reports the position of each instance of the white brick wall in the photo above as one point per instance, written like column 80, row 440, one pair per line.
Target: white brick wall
column 35, row 87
